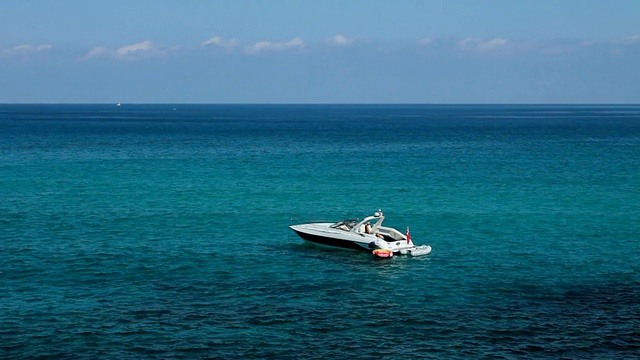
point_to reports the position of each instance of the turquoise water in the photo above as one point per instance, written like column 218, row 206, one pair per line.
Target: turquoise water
column 148, row 232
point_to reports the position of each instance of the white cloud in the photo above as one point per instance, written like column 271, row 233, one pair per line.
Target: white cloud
column 295, row 42
column 274, row 46
column 216, row 40
column 27, row 49
column 628, row 40
column 137, row 51
column 340, row 40
column 492, row 44
column 477, row 44
column 221, row 42
column 24, row 50
column 130, row 51
column 259, row 46
column 468, row 43
column 425, row 42
column 98, row 51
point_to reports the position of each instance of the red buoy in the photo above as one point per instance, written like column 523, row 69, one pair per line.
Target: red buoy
column 383, row 253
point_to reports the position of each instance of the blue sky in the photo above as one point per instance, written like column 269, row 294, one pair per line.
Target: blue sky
column 494, row 51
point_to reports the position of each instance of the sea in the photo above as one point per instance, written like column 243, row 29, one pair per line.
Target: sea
column 162, row 231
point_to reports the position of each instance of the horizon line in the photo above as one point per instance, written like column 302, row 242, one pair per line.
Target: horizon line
column 321, row 103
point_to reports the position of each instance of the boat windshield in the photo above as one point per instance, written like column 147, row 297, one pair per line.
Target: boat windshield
column 345, row 225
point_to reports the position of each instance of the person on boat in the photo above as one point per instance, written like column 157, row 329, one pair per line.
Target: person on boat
column 367, row 229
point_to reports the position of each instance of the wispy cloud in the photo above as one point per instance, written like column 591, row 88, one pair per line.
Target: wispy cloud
column 97, row 52
column 629, row 40
column 492, row 44
column 477, row 44
column 426, row 41
column 471, row 46
column 136, row 51
column 26, row 49
column 341, row 40
column 274, row 46
column 221, row 42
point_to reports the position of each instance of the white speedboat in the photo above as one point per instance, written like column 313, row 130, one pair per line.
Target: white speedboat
column 367, row 234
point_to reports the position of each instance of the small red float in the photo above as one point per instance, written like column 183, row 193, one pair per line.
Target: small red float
column 383, row 253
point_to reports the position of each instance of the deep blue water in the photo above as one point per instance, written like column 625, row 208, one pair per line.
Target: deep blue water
column 148, row 232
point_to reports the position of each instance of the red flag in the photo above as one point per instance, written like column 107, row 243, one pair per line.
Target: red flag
column 408, row 236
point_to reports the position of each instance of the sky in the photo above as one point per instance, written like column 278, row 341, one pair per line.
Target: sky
column 349, row 51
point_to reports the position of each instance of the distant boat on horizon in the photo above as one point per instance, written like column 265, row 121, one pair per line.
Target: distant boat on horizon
column 118, row 104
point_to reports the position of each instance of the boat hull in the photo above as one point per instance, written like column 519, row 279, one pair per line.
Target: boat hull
column 332, row 241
